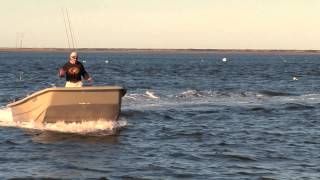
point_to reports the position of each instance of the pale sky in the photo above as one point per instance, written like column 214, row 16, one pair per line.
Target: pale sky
column 209, row 24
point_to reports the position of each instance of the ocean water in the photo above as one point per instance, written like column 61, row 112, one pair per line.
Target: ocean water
column 186, row 115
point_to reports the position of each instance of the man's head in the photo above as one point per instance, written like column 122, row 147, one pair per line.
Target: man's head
column 73, row 57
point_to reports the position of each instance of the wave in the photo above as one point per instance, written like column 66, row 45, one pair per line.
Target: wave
column 5, row 116
column 151, row 95
column 139, row 105
column 231, row 94
column 240, row 157
column 296, row 106
column 191, row 93
column 275, row 93
column 146, row 95
column 261, row 109
column 99, row 127
column 234, row 98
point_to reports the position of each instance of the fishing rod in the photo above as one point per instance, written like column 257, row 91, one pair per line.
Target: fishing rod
column 68, row 29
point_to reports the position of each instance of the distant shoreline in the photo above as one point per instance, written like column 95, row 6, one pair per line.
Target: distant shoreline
column 218, row 51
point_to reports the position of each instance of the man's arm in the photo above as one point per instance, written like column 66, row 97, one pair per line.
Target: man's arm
column 85, row 75
column 63, row 70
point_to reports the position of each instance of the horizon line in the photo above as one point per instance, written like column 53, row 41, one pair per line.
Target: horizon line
column 158, row 49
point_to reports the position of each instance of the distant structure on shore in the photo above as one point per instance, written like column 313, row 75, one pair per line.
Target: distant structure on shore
column 19, row 40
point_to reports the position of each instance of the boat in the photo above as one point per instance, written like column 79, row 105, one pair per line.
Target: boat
column 70, row 105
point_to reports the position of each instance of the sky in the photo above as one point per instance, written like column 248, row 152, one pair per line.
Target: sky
column 177, row 24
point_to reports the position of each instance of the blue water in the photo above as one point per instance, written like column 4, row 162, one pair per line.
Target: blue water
column 188, row 115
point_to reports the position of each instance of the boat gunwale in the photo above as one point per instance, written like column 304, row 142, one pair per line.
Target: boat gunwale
column 63, row 89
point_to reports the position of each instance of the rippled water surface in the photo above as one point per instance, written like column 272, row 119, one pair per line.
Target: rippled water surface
column 186, row 115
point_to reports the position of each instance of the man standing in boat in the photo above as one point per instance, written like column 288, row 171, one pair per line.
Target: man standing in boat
column 74, row 71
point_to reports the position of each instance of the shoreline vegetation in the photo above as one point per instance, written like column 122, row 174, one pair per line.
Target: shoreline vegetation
column 132, row 50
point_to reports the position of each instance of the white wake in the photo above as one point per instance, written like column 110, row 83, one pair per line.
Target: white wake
column 84, row 127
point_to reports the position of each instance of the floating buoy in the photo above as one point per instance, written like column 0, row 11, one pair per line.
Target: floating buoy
column 295, row 78
column 224, row 59
column 106, row 61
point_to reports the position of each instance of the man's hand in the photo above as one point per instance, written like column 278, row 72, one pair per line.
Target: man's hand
column 61, row 73
column 90, row 79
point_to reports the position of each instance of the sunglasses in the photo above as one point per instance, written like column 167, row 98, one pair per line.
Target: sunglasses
column 74, row 57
